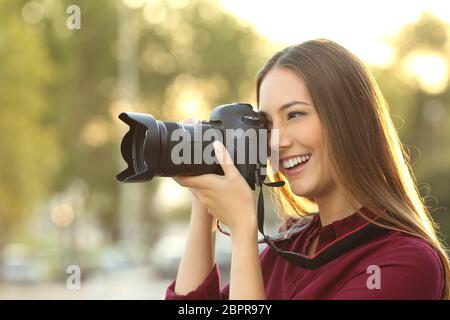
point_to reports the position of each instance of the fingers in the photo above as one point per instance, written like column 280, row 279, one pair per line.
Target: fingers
column 224, row 159
column 177, row 180
column 197, row 182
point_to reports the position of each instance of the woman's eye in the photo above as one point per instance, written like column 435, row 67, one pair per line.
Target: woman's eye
column 295, row 115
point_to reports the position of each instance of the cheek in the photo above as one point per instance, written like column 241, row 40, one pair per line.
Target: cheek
column 318, row 147
column 310, row 137
column 316, row 132
column 309, row 134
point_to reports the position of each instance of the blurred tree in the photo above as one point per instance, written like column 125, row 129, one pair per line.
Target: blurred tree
column 82, row 96
column 29, row 154
column 192, row 57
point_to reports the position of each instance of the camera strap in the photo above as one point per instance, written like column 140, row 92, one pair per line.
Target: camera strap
column 363, row 234
column 337, row 248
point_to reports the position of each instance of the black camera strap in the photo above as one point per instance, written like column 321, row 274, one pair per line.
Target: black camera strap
column 366, row 233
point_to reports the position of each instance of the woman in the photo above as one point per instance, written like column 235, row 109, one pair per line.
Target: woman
column 341, row 156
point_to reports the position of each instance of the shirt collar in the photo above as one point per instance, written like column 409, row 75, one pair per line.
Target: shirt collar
column 338, row 228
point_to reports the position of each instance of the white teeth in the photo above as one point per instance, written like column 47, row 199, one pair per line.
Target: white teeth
column 294, row 161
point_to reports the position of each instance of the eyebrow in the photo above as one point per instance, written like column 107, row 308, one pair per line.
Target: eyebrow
column 287, row 105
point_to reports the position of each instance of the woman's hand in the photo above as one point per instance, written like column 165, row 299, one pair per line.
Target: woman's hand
column 228, row 198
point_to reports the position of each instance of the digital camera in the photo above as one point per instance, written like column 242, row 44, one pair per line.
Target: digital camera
column 166, row 149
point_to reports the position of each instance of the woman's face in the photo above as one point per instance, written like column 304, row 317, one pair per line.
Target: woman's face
column 285, row 100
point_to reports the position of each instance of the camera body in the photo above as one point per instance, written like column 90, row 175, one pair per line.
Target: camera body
column 156, row 148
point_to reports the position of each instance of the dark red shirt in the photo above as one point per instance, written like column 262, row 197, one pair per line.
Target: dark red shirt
column 407, row 268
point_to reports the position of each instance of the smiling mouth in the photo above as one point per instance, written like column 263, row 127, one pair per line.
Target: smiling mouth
column 295, row 164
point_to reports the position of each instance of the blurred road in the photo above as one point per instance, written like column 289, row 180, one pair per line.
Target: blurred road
column 137, row 283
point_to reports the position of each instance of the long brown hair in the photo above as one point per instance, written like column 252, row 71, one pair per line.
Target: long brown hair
column 365, row 154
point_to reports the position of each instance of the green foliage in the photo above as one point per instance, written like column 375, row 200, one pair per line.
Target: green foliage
column 29, row 152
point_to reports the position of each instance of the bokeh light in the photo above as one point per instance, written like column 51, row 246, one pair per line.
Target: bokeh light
column 430, row 70
column 32, row 12
column 63, row 215
column 95, row 133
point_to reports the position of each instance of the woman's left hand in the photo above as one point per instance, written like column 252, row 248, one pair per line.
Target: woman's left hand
column 229, row 198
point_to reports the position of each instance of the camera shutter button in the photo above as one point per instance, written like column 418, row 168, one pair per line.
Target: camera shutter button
column 251, row 120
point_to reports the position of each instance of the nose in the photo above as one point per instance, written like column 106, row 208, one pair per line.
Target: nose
column 279, row 139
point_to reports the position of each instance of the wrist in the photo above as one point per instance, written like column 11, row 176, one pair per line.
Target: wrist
column 200, row 217
column 245, row 231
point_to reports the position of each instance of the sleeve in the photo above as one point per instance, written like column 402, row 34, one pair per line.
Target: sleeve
column 410, row 272
column 209, row 289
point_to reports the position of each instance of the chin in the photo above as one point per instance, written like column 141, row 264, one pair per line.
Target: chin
column 301, row 191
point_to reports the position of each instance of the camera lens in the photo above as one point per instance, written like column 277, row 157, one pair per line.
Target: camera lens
column 149, row 145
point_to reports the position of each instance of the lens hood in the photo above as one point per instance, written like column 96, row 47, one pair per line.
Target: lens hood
column 141, row 162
